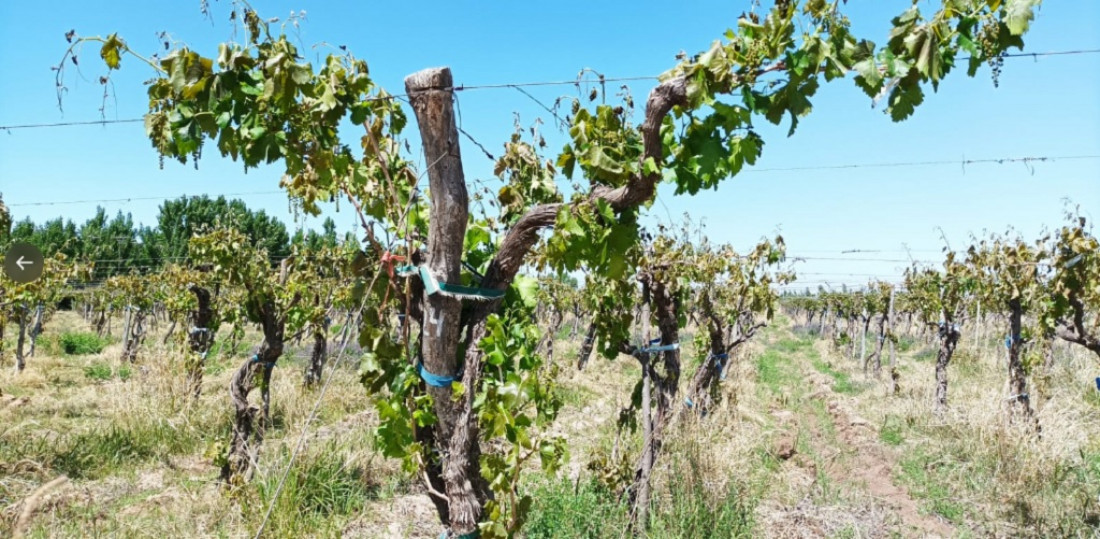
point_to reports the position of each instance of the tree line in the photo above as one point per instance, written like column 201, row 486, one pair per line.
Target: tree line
column 118, row 245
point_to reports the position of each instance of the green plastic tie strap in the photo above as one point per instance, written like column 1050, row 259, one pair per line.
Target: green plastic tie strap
column 432, row 286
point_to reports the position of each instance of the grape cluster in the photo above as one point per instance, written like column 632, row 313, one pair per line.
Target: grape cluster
column 995, row 64
column 989, row 41
column 195, row 155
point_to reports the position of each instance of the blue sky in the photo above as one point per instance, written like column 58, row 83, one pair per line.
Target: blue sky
column 1048, row 106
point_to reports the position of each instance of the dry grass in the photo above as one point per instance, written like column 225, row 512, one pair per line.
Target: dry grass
column 802, row 444
column 140, row 450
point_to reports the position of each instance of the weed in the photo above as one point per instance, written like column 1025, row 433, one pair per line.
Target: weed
column 584, row 510
column 774, row 370
column 98, row 371
column 102, row 372
column 905, row 343
column 891, row 431
column 100, row 452
column 72, row 343
column 575, row 397
column 842, row 382
column 323, row 489
column 324, row 484
column 925, row 474
column 925, row 354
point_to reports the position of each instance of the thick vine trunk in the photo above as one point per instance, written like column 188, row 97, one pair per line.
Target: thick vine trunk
column 247, row 432
column 199, row 339
column 1018, row 399
column 949, row 337
column 553, row 327
column 100, row 318
column 586, row 346
column 866, row 318
column 1043, row 380
column 456, row 432
column 705, row 381
column 317, row 358
column 168, row 334
column 876, row 355
column 1075, row 330
column 134, row 335
column 665, row 387
column 20, row 360
column 891, row 337
column 432, row 98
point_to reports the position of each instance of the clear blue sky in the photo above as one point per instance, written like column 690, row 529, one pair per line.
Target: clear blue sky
column 1044, row 107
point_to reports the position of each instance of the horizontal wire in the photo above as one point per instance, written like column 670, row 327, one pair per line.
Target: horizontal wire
column 136, row 199
column 900, row 164
column 464, row 87
column 963, row 162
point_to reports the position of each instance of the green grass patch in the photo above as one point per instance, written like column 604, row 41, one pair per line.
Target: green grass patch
column 774, row 370
column 584, row 510
column 697, row 512
column 322, row 485
column 102, row 372
column 575, row 397
column 842, row 382
column 824, row 419
column 100, row 452
column 794, row 346
column 214, row 365
column 587, row 510
column 81, row 344
column 925, row 355
column 929, row 478
column 71, row 343
column 905, row 343
column 891, row 431
column 564, row 332
column 1092, row 396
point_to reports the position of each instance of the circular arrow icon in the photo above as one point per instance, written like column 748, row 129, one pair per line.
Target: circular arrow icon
column 23, row 262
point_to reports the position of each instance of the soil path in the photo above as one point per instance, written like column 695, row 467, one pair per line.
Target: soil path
column 865, row 463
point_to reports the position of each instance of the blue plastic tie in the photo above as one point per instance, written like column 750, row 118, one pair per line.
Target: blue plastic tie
column 433, row 380
column 688, row 402
column 721, row 358
column 665, row 348
column 267, row 364
column 471, row 535
column 1098, row 383
column 655, row 341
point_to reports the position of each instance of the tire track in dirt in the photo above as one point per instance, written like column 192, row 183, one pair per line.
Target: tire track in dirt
column 869, row 464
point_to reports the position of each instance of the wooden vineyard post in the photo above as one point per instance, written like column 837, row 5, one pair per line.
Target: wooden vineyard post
column 647, row 429
column 890, row 333
column 126, row 331
column 978, row 330
column 864, row 319
column 20, row 360
column 36, row 328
